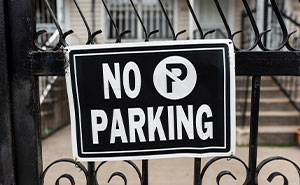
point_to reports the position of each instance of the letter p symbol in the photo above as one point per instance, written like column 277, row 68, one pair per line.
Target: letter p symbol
column 174, row 77
column 177, row 73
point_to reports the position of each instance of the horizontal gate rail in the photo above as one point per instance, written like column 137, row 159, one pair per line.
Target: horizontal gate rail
column 248, row 63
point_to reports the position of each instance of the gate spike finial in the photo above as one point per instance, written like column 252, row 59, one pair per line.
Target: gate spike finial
column 147, row 35
column 91, row 35
column 175, row 36
column 118, row 34
column 228, row 30
column 254, row 26
column 54, row 18
column 285, row 33
column 62, row 36
column 202, row 35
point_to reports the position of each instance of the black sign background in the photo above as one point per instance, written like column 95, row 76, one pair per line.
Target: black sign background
column 209, row 63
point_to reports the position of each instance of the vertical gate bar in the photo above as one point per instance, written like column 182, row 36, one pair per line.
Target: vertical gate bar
column 245, row 106
column 197, row 171
column 145, row 172
column 91, row 173
column 24, row 92
column 254, row 128
column 6, row 145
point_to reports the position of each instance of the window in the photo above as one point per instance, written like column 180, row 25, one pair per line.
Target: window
column 150, row 12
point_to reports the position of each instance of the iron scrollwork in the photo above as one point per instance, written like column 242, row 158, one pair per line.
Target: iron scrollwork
column 83, row 169
column 276, row 173
column 120, row 174
column 224, row 172
column 65, row 176
column 257, row 39
column 62, row 35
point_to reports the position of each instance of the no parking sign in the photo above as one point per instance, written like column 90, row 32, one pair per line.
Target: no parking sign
column 152, row 100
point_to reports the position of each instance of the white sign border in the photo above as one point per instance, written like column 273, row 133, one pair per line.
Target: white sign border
column 164, row 43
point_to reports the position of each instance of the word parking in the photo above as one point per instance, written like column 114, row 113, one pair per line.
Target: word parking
column 152, row 100
column 137, row 119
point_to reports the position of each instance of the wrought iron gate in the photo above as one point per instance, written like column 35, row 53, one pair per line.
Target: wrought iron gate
column 22, row 62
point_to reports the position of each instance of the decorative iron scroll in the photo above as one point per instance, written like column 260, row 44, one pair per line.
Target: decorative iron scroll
column 120, row 174
column 220, row 175
column 276, row 173
column 65, row 176
column 83, row 169
column 258, row 41
column 224, row 172
column 143, row 176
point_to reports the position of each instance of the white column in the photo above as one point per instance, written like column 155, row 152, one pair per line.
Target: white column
column 139, row 26
column 191, row 22
column 260, row 17
column 60, row 12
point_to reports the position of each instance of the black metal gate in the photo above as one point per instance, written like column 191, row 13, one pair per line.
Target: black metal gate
column 22, row 61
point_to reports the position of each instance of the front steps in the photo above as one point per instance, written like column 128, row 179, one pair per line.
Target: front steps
column 269, row 135
column 278, row 119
